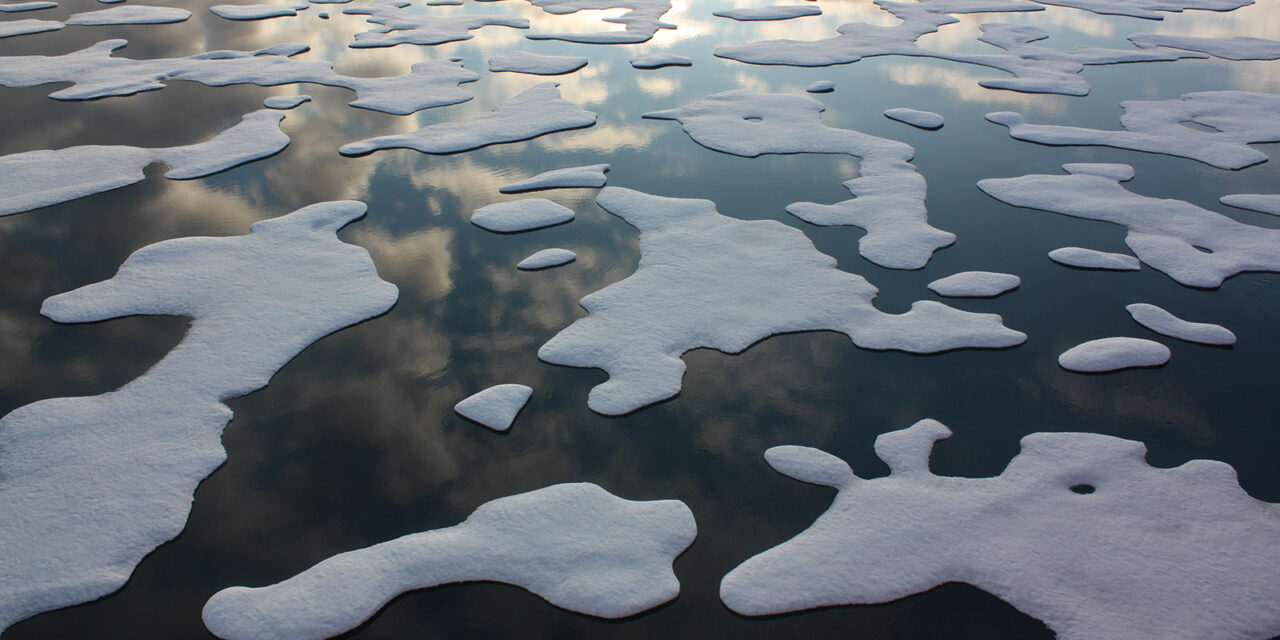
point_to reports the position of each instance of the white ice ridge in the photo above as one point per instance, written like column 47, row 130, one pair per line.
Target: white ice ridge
column 536, row 63
column 34, row 179
column 285, row 102
column 495, row 407
column 772, row 12
column 546, row 259
column 975, row 284
column 1148, row 8
column 659, row 60
column 1236, row 119
column 1035, row 69
column 256, row 11
column 1260, row 202
column 400, row 26
column 130, row 14
column 821, row 86
column 1078, row 531
column 575, row 545
column 1197, row 247
column 1165, row 323
column 1234, row 48
column 708, row 280
column 537, row 111
column 515, row 216
column 1113, row 354
column 26, row 27
column 591, row 175
column 95, row 483
column 26, row 6
column 888, row 194
column 1082, row 258
column 640, row 22
column 94, row 73
column 915, row 117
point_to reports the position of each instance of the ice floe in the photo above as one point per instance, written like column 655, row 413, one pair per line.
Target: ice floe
column 256, row 11
column 772, row 12
column 708, row 280
column 521, row 215
column 538, row 111
column 95, row 483
column 26, row 6
column 26, row 27
column 915, row 117
column 821, row 86
column 1260, row 202
column 585, row 176
column 285, row 102
column 536, row 63
column 1235, row 48
column 1236, row 119
column 1113, row 354
column 975, row 284
column 1167, row 324
column 659, row 60
column 34, row 179
column 1149, row 9
column 576, row 545
column 546, row 259
column 495, row 407
column 1078, row 531
column 1195, row 246
column 400, row 24
column 1082, row 258
column 130, row 14
column 888, row 193
column 640, row 22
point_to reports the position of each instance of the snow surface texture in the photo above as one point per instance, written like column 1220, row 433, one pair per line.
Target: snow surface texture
column 520, row 215
column 1082, row 258
column 495, row 407
column 1148, row 9
column 34, row 179
column 97, row 482
column 888, row 194
column 1113, row 354
column 94, row 73
column 640, row 22
column 1165, row 323
column 591, row 176
column 773, row 12
column 400, row 23
column 26, row 6
column 26, row 27
column 576, row 545
column 546, row 259
column 537, row 111
column 256, row 11
column 1035, row 69
column 821, row 86
column 1197, row 247
column 915, row 117
column 975, row 284
column 1260, row 202
column 659, row 60
column 130, row 14
column 536, row 63
column 1078, row 532
column 1238, row 118
column 285, row 102
column 1235, row 48
column 708, row 280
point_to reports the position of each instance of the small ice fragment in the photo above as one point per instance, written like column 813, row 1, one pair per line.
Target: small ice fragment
column 774, row 12
column 1082, row 258
column 915, row 117
column 1234, row 48
column 659, row 60
column 975, row 284
column 546, row 259
column 1113, row 354
column 130, row 14
column 255, row 11
column 536, row 63
column 590, row 176
column 1165, row 323
column 26, row 6
column 520, row 215
column 821, row 86
column 26, row 27
column 1260, row 202
column 285, row 102
column 495, row 407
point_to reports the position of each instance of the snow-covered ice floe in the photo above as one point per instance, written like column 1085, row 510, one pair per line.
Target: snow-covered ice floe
column 1234, row 48
column 1078, row 531
column 640, row 22
column 130, row 14
column 401, row 23
column 1082, row 258
column 589, row 176
column 1113, row 354
column 772, row 12
column 495, row 407
column 547, row 258
column 975, row 284
column 821, row 86
column 659, row 60
column 96, row 483
column 575, row 545
column 536, row 63
column 1165, row 323
column 1149, row 9
column 915, row 117
column 1260, row 202
column 29, row 26
column 26, row 6
column 525, row 214
column 256, row 11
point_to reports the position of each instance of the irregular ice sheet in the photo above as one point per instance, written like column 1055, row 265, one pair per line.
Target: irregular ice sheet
column 34, row 179
column 1082, row 258
column 641, row 20
column 546, row 259
column 821, row 86
column 708, row 280
column 773, row 12
column 1260, row 202
column 1170, row 235
column 915, row 117
column 1113, row 354
column 975, row 284
column 26, row 27
column 285, row 102
column 1165, row 323
column 536, row 63
column 1078, row 532
column 585, row 176
column 495, row 407
column 521, row 215
column 888, row 194
column 535, row 112
column 401, row 24
column 1238, row 118
column 26, row 6
column 130, row 14
column 575, row 545
column 659, row 60
column 94, row 73
column 1235, row 48
column 256, row 11
column 1147, row 8
column 96, row 483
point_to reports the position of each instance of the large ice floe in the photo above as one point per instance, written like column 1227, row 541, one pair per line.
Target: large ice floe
column 1078, row 532
column 1113, row 354
column 130, row 14
column 590, row 176
column 90, row 485
column 525, row 214
column 1195, row 246
column 34, row 179
column 399, row 23
column 29, row 26
column 1235, row 48
column 94, row 73
column 640, row 22
column 888, row 194
column 538, row 111
column 495, row 407
column 1235, row 119
column 536, row 63
column 708, row 280
column 1149, row 9
column 1165, row 323
column 575, row 545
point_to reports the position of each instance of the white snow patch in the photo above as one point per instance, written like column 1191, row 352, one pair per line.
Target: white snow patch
column 975, row 284
column 536, row 63
column 1082, row 258
column 1113, row 354
column 640, row 22
column 1235, row 48
column 130, row 14
column 26, row 6
column 1260, row 202
column 401, row 24
column 546, row 259
column 256, row 11
column 659, row 60
column 772, row 12
column 521, row 215
column 584, row 176
column 285, row 102
column 26, row 27
column 495, row 407
column 915, row 117
column 1165, row 323
column 821, row 86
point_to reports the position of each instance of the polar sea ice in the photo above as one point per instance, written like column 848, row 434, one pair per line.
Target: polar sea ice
column 130, row 14
column 1113, row 354
column 495, row 407
column 1078, row 531
column 98, row 482
column 975, row 284
column 525, row 214
column 401, row 23
column 1165, row 323
column 575, row 545
column 1082, row 258
column 536, row 63
column 256, row 11
column 708, row 280
column 588, row 176
column 916, row 117
column 640, row 22
column 547, row 258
